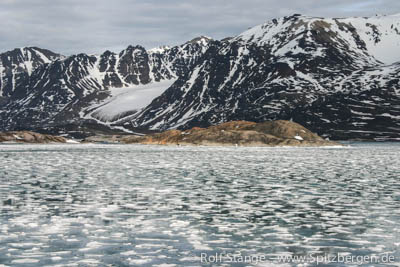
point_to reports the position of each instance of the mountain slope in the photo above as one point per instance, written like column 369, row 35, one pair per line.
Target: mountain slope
column 17, row 65
column 290, row 69
column 74, row 90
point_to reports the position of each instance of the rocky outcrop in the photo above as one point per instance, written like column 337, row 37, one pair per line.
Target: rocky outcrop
column 30, row 137
column 107, row 139
column 237, row 133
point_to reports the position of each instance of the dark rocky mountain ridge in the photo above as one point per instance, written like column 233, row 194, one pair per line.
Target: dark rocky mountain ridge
column 17, row 65
column 66, row 90
column 337, row 77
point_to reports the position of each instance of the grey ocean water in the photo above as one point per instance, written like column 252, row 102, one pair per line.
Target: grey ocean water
column 132, row 205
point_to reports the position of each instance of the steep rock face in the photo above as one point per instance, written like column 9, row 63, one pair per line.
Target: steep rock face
column 17, row 65
column 235, row 133
column 327, row 74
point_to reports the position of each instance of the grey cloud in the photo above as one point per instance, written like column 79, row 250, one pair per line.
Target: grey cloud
column 92, row 26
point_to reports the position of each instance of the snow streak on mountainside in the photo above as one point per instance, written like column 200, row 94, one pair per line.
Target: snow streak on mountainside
column 322, row 73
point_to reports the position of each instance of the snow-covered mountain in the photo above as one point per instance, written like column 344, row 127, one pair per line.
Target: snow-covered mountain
column 338, row 77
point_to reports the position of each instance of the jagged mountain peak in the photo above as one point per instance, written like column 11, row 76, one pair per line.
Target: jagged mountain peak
column 201, row 40
column 134, row 47
column 107, row 52
column 226, row 39
column 131, row 49
column 18, row 64
column 24, row 49
column 32, row 54
column 159, row 49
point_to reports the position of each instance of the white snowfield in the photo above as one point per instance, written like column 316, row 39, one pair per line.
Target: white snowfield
column 132, row 98
column 385, row 50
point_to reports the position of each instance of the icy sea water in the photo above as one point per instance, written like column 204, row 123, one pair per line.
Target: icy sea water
column 134, row 205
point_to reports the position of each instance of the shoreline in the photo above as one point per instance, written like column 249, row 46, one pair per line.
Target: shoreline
column 230, row 134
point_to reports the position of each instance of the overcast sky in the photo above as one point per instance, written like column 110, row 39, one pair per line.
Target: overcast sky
column 92, row 26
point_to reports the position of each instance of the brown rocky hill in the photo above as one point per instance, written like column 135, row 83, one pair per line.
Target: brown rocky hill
column 237, row 133
column 30, row 137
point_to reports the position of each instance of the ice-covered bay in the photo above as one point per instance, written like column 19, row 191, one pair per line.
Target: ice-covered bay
column 130, row 205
